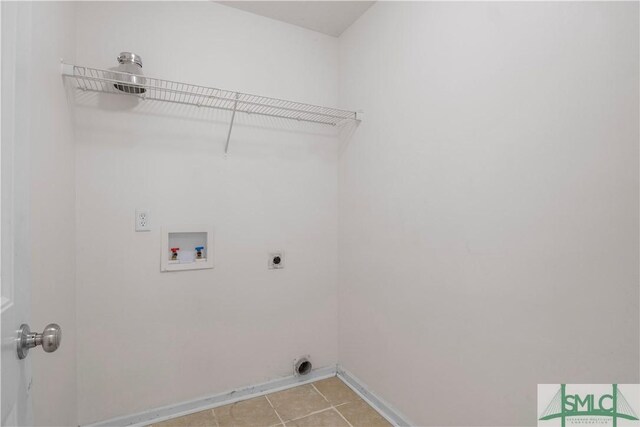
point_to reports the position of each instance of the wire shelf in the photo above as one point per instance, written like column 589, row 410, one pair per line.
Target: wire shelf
column 117, row 82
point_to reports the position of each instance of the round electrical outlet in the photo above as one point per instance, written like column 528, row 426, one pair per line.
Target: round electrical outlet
column 276, row 260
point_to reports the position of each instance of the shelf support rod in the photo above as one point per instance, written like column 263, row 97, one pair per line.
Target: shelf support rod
column 233, row 116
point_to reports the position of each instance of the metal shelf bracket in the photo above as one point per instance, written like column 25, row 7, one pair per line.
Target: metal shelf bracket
column 233, row 116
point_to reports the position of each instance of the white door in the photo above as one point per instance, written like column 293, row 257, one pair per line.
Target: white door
column 14, row 207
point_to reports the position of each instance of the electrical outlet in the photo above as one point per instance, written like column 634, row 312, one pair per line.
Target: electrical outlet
column 142, row 220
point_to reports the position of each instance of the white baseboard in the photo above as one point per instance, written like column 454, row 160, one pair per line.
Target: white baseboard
column 383, row 408
column 185, row 408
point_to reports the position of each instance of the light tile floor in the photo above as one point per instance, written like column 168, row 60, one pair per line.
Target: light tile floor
column 324, row 403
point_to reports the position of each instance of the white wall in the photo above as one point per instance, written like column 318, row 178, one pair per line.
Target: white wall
column 488, row 207
column 147, row 338
column 489, row 204
column 52, row 222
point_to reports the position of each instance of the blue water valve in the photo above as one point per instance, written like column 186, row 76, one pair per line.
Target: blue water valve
column 199, row 252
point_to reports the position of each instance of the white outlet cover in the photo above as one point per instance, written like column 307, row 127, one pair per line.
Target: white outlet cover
column 143, row 220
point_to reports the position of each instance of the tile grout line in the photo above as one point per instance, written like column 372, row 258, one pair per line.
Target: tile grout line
column 316, row 389
column 306, row 415
column 282, row 423
column 342, row 416
column 334, row 407
column 266, row 396
column 312, row 413
column 215, row 417
column 315, row 412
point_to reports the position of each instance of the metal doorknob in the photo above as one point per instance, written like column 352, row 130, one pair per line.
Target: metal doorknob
column 49, row 339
